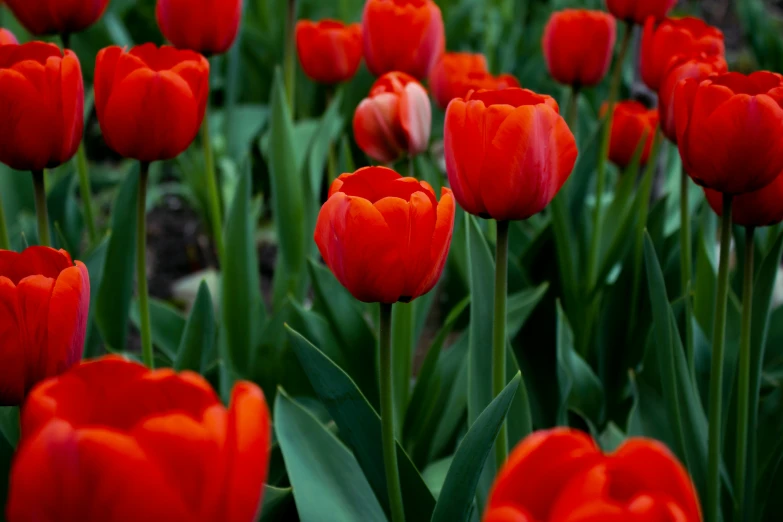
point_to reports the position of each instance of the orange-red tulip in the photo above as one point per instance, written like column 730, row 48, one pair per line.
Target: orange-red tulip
column 395, row 119
column 44, row 300
column 330, row 51
column 661, row 43
column 7, row 37
column 112, row 441
column 578, row 46
column 150, row 101
column 762, row 208
column 682, row 67
column 57, row 16
column 561, row 475
column 632, row 122
column 508, row 152
column 205, row 26
column 637, row 11
column 42, row 106
column 456, row 74
column 386, row 238
column 730, row 130
column 402, row 35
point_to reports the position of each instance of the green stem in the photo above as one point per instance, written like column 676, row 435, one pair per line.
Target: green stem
column 44, row 239
column 572, row 111
column 402, row 356
column 289, row 65
column 716, row 382
column 686, row 265
column 743, row 393
column 499, row 333
column 614, row 91
column 215, row 215
column 387, row 417
column 5, row 242
column 141, row 267
column 84, row 186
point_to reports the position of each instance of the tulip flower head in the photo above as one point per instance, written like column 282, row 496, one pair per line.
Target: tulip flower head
column 730, row 130
column 456, row 74
column 574, row 480
column 402, row 35
column 578, row 45
column 7, row 37
column 664, row 42
column 42, row 100
column 632, row 122
column 42, row 17
column 637, row 11
column 44, row 301
column 113, row 441
column 763, row 208
column 330, row 51
column 205, row 26
column 150, row 101
column 386, row 238
column 394, row 120
column 508, row 152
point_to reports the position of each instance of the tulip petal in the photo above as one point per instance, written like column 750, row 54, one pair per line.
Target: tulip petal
column 441, row 242
column 416, row 117
column 12, row 351
column 67, row 323
column 465, row 152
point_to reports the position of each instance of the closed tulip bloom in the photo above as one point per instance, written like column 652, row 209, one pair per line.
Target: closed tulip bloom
column 508, row 152
column 150, row 101
column 632, row 122
column 661, row 43
column 42, row 17
column 402, row 35
column 42, row 103
column 44, row 301
column 206, row 26
column 7, row 37
column 386, row 238
column 682, row 67
column 456, row 74
column 395, row 119
column 637, row 11
column 330, row 51
column 560, row 475
column 578, row 46
column 762, row 208
column 730, row 130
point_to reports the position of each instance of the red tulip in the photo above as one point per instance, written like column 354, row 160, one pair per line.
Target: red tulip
column 42, row 103
column 44, row 300
column 386, row 238
column 578, row 46
column 762, row 208
column 402, row 35
column 561, row 476
column 663, row 42
column 150, row 101
column 698, row 67
column 42, row 17
column 395, row 119
column 7, row 37
column 330, row 51
column 456, row 74
column 207, row 26
column 632, row 122
column 637, row 11
column 508, row 152
column 112, row 441
column 730, row 130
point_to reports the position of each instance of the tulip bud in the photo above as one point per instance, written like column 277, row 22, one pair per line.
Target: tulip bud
column 205, row 26
column 7, row 37
column 330, row 52
column 42, row 17
column 632, row 122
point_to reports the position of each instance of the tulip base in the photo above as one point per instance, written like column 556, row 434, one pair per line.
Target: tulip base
column 499, row 334
column 712, row 508
column 387, row 417
column 39, row 185
column 141, row 267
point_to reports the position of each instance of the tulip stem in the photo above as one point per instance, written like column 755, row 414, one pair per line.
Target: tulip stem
column 686, row 265
column 84, row 188
column 572, row 112
column 5, row 242
column 614, row 90
column 716, row 381
column 215, row 217
column 141, row 267
column 289, row 64
column 39, row 185
column 743, row 386
column 387, row 417
column 499, row 333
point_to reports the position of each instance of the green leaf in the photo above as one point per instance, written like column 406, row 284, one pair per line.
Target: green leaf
column 94, row 260
column 402, row 349
column 9, row 424
column 326, row 479
column 452, row 402
column 329, row 130
column 459, row 489
column 167, row 326
column 360, row 426
column 197, row 345
column 521, row 305
column 275, row 503
column 114, row 296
